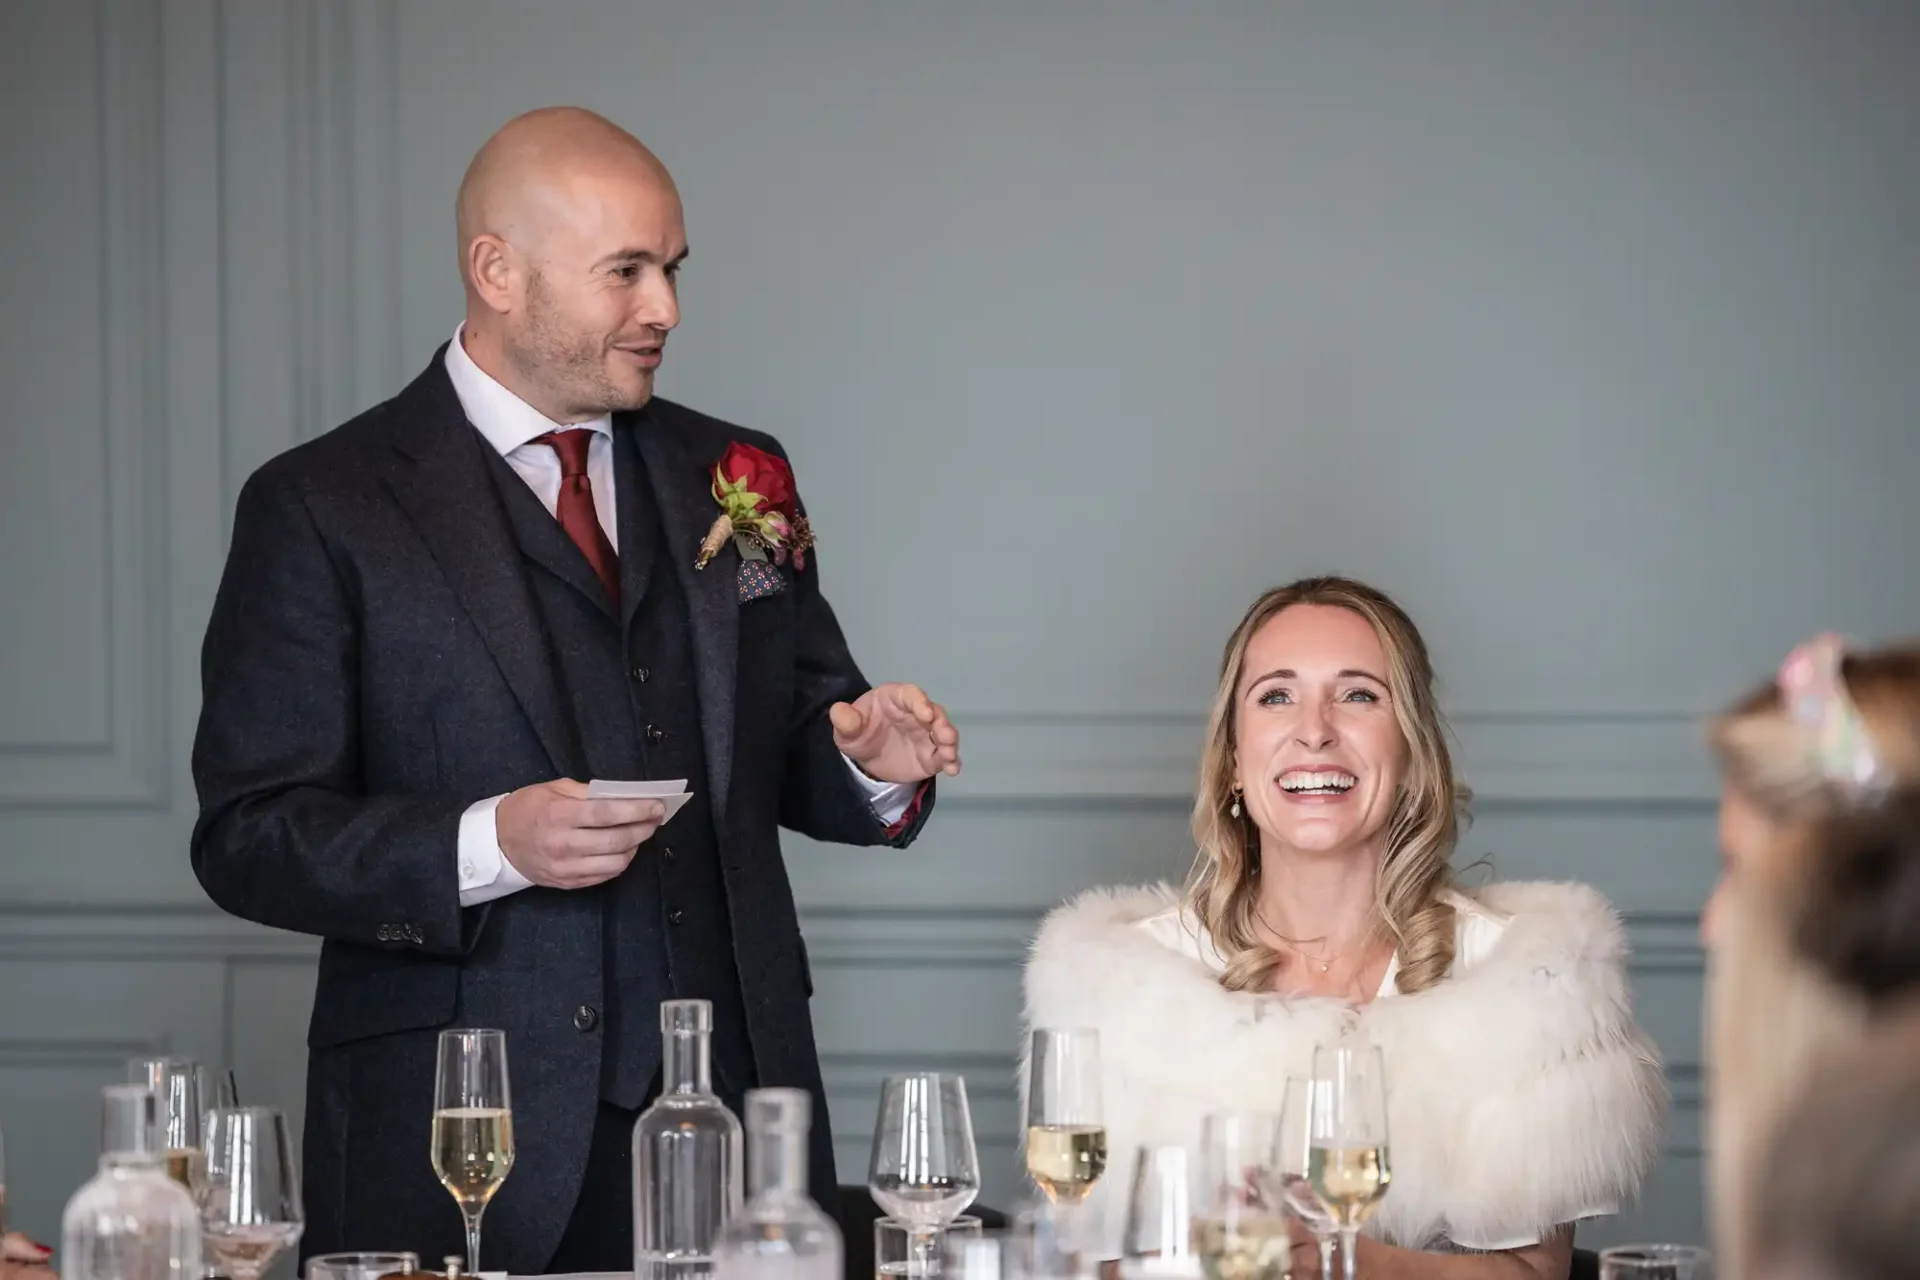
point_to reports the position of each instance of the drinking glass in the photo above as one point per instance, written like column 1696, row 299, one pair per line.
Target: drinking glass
column 1066, row 1134
column 1158, row 1240
column 1347, row 1137
column 472, row 1124
column 924, row 1169
column 1290, row 1167
column 979, row 1256
column 1240, row 1225
column 360, row 1266
column 1651, row 1262
column 898, row 1248
column 186, row 1100
column 250, row 1210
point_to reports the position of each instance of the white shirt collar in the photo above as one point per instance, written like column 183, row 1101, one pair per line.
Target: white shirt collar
column 502, row 417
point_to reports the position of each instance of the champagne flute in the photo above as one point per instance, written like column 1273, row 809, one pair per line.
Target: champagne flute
column 1239, row 1225
column 1347, row 1137
column 186, row 1101
column 251, row 1207
column 1066, row 1135
column 1158, row 1239
column 924, row 1169
column 1290, row 1168
column 472, row 1124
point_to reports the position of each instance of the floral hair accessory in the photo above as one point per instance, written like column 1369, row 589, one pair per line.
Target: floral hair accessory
column 1817, row 700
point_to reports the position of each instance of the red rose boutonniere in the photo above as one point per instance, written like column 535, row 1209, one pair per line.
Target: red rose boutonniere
column 757, row 507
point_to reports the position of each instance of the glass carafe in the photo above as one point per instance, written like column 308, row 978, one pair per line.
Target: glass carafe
column 686, row 1155
column 780, row 1233
column 130, row 1221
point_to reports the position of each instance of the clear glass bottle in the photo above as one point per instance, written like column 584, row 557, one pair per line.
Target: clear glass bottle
column 686, row 1155
column 780, row 1233
column 130, row 1221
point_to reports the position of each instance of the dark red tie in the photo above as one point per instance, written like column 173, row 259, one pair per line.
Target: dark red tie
column 575, row 507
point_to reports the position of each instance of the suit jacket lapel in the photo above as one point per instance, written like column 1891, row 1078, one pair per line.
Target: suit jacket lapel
column 634, row 509
column 682, row 484
column 446, row 491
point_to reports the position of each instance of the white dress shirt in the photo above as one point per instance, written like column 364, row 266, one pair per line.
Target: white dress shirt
column 510, row 425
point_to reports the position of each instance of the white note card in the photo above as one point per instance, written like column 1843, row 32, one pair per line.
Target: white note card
column 672, row 793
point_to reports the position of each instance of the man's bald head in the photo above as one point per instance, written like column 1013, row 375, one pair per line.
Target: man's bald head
column 518, row 183
column 571, row 238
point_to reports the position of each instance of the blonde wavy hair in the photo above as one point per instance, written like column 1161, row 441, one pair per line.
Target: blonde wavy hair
column 1223, row 887
column 1819, row 926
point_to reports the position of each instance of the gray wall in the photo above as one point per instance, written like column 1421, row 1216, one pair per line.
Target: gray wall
column 1589, row 330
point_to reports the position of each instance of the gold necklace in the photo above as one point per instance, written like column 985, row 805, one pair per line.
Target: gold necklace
column 1325, row 963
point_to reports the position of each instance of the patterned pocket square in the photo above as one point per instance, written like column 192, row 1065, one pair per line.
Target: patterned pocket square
column 758, row 579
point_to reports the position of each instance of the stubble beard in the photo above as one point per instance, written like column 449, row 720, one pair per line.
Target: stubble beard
column 569, row 365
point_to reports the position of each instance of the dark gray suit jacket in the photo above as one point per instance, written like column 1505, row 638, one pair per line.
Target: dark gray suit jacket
column 373, row 666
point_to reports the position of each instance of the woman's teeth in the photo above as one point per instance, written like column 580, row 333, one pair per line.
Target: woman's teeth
column 1317, row 782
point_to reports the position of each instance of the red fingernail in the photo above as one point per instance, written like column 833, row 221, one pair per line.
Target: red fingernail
column 41, row 1247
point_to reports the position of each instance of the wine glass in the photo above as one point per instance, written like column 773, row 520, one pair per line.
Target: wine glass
column 186, row 1101
column 1066, row 1135
column 1239, row 1225
column 924, row 1169
column 1158, row 1240
column 250, row 1209
column 1347, row 1137
column 1290, row 1164
column 472, row 1124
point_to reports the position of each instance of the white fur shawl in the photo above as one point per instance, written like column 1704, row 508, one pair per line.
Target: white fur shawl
column 1521, row 1095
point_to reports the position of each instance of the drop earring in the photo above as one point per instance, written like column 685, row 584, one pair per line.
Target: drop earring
column 1235, row 810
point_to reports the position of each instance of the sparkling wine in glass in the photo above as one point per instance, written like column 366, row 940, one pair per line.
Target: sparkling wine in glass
column 250, row 1211
column 924, row 1169
column 1239, row 1219
column 1347, row 1164
column 1290, row 1163
column 472, row 1124
column 1066, row 1134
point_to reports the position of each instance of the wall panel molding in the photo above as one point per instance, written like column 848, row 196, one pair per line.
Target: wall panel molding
column 345, row 289
column 906, row 937
column 129, row 768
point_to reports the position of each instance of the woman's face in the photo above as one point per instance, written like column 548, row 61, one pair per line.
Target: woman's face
column 1320, row 755
column 1744, row 832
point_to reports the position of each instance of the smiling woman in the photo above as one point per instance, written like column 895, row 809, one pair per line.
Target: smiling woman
column 1521, row 1097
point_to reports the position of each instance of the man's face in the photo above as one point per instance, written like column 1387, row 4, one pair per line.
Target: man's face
column 600, row 295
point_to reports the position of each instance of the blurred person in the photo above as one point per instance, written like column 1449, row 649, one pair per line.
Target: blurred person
column 1814, row 925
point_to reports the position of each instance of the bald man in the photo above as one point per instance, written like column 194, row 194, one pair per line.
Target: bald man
column 437, row 624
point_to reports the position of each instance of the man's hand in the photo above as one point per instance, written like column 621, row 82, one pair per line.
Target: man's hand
column 554, row 836
column 895, row 733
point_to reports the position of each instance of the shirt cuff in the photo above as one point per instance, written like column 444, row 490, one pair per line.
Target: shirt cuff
column 485, row 873
column 889, row 799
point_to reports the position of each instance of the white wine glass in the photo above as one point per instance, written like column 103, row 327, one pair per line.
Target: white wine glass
column 1066, row 1128
column 250, row 1209
column 1347, row 1164
column 1240, row 1226
column 472, row 1124
column 1290, row 1164
column 924, row 1170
